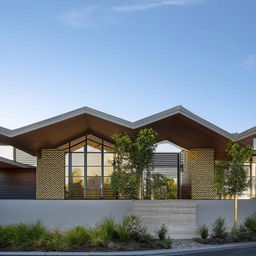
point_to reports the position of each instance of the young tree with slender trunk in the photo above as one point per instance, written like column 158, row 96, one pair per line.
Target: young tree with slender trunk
column 230, row 176
column 132, row 156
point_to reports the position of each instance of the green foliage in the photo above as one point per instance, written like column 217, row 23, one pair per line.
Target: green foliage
column 25, row 236
column 97, row 237
column 77, row 236
column 53, row 241
column 106, row 234
column 230, row 176
column 162, row 187
column 125, row 183
column 250, row 223
column 5, row 236
column 166, row 243
column 203, row 231
column 219, row 229
column 108, row 229
column 162, row 232
column 132, row 155
column 172, row 189
column 220, row 178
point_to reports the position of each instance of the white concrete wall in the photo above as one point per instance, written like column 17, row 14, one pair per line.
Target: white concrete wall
column 181, row 216
column 62, row 214
column 209, row 210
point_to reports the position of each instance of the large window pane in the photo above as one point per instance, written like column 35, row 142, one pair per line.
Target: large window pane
column 66, row 159
column 94, row 182
column 66, row 171
column 66, row 184
column 92, row 147
column 77, row 159
column 94, row 159
column 77, row 171
column 108, row 171
column 93, row 171
column 77, row 187
column 108, row 158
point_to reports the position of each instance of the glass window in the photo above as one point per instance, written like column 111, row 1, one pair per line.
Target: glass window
column 66, row 171
column 77, row 171
column 66, row 159
column 78, row 148
column 93, row 147
column 66, row 183
column 108, row 171
column 93, row 171
column 77, row 187
column 94, row 159
column 107, row 182
column 108, row 158
column 77, row 159
column 94, row 182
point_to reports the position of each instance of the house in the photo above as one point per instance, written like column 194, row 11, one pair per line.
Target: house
column 69, row 156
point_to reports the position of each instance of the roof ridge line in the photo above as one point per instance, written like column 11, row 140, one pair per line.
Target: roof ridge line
column 111, row 118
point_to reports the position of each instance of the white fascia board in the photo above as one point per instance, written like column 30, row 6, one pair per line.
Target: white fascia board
column 247, row 133
column 116, row 120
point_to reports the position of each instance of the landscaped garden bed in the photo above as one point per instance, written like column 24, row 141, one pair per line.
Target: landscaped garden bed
column 108, row 235
column 245, row 232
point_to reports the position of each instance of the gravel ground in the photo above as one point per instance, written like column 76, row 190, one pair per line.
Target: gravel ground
column 186, row 243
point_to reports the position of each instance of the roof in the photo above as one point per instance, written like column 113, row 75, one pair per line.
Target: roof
column 10, row 164
column 178, row 125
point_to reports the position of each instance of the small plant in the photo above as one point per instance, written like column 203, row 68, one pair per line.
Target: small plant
column 250, row 223
column 162, row 232
column 166, row 243
column 203, row 231
column 96, row 237
column 77, row 236
column 107, row 229
column 6, row 233
column 219, row 229
column 53, row 241
column 25, row 236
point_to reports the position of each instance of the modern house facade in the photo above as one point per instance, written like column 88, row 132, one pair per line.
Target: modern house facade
column 69, row 156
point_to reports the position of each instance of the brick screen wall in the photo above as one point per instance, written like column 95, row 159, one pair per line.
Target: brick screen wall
column 50, row 174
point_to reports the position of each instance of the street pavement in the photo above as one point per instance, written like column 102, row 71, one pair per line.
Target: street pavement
column 237, row 252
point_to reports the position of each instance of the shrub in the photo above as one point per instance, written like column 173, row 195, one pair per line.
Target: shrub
column 203, row 231
column 5, row 236
column 96, row 237
column 108, row 229
column 131, row 229
column 250, row 223
column 77, row 236
column 53, row 241
column 219, row 229
column 26, row 236
column 162, row 232
column 166, row 243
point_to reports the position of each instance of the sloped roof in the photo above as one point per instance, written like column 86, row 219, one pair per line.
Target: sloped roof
column 177, row 125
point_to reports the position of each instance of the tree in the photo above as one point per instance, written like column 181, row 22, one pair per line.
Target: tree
column 132, row 156
column 231, row 176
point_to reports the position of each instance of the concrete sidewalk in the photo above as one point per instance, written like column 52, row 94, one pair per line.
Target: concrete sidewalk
column 168, row 252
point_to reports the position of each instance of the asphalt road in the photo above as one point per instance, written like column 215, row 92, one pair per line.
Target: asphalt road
column 239, row 252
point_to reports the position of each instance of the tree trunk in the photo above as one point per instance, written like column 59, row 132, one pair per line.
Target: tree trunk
column 235, row 210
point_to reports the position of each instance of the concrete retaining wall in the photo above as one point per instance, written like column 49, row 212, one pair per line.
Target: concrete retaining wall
column 208, row 210
column 181, row 216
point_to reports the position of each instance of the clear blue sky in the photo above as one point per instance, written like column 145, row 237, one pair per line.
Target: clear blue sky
column 129, row 58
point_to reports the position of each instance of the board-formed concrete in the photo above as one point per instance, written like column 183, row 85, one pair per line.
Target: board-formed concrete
column 178, row 215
